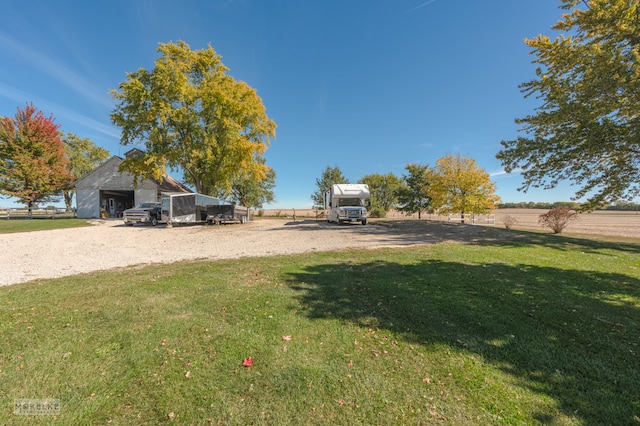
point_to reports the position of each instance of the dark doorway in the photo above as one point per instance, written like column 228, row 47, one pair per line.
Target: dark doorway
column 113, row 203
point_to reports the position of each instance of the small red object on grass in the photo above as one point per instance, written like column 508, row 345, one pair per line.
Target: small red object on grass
column 248, row 362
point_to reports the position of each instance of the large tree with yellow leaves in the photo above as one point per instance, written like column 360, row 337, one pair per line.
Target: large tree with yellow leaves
column 190, row 115
column 459, row 185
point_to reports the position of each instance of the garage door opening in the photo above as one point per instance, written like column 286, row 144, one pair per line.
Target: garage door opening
column 113, row 203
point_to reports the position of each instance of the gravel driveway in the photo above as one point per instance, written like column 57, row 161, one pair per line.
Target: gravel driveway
column 109, row 244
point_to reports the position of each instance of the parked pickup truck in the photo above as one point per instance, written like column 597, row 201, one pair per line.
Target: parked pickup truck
column 142, row 213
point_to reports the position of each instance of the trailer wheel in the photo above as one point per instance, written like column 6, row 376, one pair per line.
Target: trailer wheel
column 154, row 221
column 364, row 222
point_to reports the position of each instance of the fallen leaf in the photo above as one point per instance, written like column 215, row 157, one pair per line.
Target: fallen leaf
column 286, row 338
column 188, row 375
column 248, row 362
column 350, row 364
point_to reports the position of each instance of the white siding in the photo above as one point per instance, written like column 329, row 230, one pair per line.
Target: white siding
column 88, row 203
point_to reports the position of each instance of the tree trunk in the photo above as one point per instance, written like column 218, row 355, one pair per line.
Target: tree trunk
column 68, row 197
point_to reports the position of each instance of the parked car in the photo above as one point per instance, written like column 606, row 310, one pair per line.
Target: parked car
column 142, row 213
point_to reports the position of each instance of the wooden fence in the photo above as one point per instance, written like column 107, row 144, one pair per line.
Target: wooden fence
column 8, row 213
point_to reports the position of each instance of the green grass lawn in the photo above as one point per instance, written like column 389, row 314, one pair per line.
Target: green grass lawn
column 24, row 224
column 539, row 329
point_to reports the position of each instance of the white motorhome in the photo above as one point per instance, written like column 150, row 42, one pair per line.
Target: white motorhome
column 347, row 202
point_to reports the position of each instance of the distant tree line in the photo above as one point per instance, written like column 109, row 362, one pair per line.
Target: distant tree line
column 572, row 205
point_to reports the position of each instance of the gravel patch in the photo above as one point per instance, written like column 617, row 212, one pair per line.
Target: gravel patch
column 110, row 244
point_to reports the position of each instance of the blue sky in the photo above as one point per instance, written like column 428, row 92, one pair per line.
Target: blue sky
column 365, row 85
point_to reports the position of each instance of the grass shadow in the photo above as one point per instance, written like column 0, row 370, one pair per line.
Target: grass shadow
column 572, row 335
column 401, row 233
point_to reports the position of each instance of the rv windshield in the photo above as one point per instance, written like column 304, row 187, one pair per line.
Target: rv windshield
column 350, row 202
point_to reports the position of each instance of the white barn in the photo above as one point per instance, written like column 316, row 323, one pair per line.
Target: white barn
column 107, row 191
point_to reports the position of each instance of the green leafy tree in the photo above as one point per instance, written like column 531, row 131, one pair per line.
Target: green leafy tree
column 83, row 156
column 586, row 130
column 249, row 192
column 413, row 193
column 459, row 185
column 330, row 176
column 192, row 116
column 33, row 166
column 383, row 189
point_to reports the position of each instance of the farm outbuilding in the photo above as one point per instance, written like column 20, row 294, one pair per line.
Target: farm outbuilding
column 106, row 191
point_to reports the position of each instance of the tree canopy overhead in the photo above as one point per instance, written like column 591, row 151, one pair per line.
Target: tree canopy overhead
column 587, row 130
column 33, row 166
column 191, row 115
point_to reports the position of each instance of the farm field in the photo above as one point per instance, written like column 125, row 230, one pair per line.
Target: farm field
column 601, row 222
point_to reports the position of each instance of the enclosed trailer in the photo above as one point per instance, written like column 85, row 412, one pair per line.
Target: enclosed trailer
column 227, row 213
column 186, row 208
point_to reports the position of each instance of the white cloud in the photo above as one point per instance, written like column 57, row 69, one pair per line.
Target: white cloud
column 502, row 172
column 420, row 6
column 61, row 73
column 19, row 96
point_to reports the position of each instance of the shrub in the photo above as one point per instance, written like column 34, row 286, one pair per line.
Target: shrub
column 378, row 212
column 508, row 221
column 557, row 219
